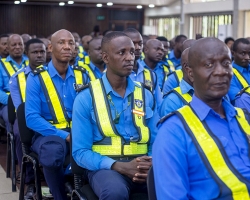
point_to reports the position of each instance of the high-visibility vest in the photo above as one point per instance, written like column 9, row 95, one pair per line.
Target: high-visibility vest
column 178, row 75
column 171, row 65
column 244, row 83
column 21, row 80
column 90, row 71
column 117, row 146
column 186, row 98
column 9, row 68
column 149, row 78
column 232, row 184
column 56, row 107
column 81, row 50
column 166, row 71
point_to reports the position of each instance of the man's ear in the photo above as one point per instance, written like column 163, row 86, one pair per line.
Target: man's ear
column 189, row 71
column 50, row 47
column 105, row 57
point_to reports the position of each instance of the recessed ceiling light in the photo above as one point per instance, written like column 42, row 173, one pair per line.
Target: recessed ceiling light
column 109, row 4
column 99, row 5
column 139, row 6
column 70, row 2
column 23, row 1
column 61, row 4
column 16, row 2
column 151, row 5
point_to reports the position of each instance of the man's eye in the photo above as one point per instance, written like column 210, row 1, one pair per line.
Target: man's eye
column 121, row 52
column 208, row 65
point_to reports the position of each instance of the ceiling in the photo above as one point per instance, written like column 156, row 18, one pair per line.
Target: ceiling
column 92, row 3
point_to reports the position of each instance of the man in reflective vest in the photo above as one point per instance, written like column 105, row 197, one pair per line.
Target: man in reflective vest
column 3, row 46
column 241, row 68
column 114, row 125
column 36, row 52
column 15, row 61
column 181, row 95
column 154, row 52
column 140, row 73
column 174, row 78
column 50, row 93
column 204, row 147
column 83, row 50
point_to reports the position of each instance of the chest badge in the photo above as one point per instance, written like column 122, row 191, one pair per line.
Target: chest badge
column 138, row 103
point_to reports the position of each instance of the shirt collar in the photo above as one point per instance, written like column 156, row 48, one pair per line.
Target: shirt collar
column 171, row 55
column 140, row 67
column 53, row 72
column 158, row 65
column 27, row 70
column 9, row 58
column 130, row 86
column 185, row 87
column 241, row 69
column 203, row 110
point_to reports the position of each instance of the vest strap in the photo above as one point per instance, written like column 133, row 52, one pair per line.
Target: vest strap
column 22, row 85
column 148, row 79
column 178, row 75
column 88, row 69
column 186, row 98
column 219, row 166
column 8, row 67
column 240, row 78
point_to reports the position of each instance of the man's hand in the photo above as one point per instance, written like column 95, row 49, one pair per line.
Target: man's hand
column 68, row 138
column 136, row 169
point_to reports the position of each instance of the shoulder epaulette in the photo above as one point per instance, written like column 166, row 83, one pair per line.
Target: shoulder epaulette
column 168, row 93
column 80, row 88
column 79, row 68
column 163, row 119
column 38, row 70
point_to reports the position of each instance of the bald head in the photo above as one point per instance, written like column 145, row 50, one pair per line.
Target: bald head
column 15, row 46
column 188, row 43
column 154, row 51
column 26, row 38
column 151, row 42
column 85, row 42
column 205, row 47
column 62, row 45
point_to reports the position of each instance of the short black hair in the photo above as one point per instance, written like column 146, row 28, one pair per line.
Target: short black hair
column 178, row 38
column 228, row 39
column 238, row 41
column 130, row 30
column 32, row 41
column 162, row 38
column 110, row 36
column 4, row 35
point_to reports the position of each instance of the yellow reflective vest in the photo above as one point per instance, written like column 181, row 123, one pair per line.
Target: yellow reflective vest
column 149, row 79
column 106, row 125
column 219, row 165
column 186, row 98
column 90, row 71
column 56, row 107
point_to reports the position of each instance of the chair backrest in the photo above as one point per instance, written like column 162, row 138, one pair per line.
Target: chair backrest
column 151, row 185
column 26, row 134
column 11, row 111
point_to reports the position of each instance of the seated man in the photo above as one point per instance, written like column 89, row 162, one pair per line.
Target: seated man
column 36, row 53
column 203, row 147
column 114, row 125
column 8, row 66
column 174, row 78
column 50, row 93
column 181, row 95
column 140, row 73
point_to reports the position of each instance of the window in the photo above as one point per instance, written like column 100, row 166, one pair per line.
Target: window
column 168, row 27
column 208, row 25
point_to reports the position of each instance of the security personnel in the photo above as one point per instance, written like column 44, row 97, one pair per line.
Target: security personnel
column 50, row 93
column 154, row 52
column 241, row 67
column 3, row 46
column 139, row 73
column 8, row 67
column 83, row 50
column 203, row 147
column 179, row 96
column 96, row 66
column 36, row 52
column 174, row 78
column 175, row 55
column 114, row 124
column 47, row 42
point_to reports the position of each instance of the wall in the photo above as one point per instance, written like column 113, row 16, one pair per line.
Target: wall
column 201, row 8
column 44, row 20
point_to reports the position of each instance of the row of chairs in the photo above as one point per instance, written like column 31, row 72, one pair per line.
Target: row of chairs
column 82, row 189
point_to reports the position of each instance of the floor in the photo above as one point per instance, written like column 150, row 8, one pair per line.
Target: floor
column 5, row 183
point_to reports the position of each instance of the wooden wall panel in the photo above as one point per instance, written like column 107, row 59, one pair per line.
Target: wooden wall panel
column 44, row 20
